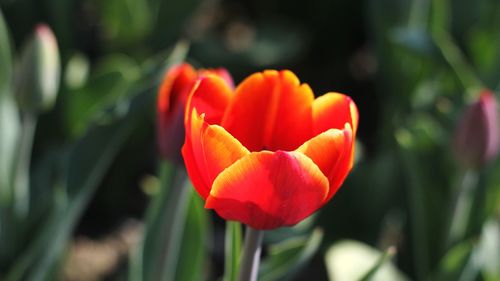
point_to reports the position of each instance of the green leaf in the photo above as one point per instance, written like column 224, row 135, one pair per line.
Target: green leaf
column 22, row 173
column 290, row 256
column 5, row 57
column 163, row 237
column 142, row 262
column 193, row 255
column 415, row 40
column 105, row 94
column 488, row 250
column 386, row 256
column 232, row 250
column 267, row 44
column 10, row 131
column 460, row 263
column 456, row 60
column 125, row 22
column 483, row 49
column 174, row 246
column 169, row 18
column 303, row 228
column 10, row 128
column 9, row 120
column 456, row 257
column 87, row 164
column 350, row 260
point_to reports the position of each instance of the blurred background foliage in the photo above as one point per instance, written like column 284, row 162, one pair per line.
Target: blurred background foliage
column 412, row 67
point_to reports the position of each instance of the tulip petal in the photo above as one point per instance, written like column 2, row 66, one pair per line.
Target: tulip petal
column 172, row 97
column 333, row 110
column 270, row 111
column 267, row 190
column 332, row 152
column 209, row 96
column 193, row 170
column 209, row 149
column 221, row 72
column 175, row 87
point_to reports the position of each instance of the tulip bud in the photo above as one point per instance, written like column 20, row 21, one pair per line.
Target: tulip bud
column 38, row 73
column 477, row 136
column 172, row 98
column 171, row 102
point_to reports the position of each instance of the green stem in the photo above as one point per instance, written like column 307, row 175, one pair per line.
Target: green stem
column 249, row 266
column 232, row 249
column 461, row 207
column 456, row 59
column 21, row 186
column 419, row 13
column 386, row 256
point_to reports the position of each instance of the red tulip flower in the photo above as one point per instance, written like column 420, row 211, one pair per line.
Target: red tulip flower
column 172, row 96
column 267, row 154
column 477, row 138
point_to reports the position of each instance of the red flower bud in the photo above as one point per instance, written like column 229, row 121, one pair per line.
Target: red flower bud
column 477, row 136
column 172, row 96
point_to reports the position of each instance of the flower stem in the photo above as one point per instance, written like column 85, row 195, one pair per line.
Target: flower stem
column 249, row 266
column 232, row 248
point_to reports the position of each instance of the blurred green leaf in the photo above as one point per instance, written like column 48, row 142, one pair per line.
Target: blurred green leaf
column 232, row 250
column 194, row 255
column 484, row 49
column 491, row 203
column 174, row 245
column 426, row 131
column 87, row 163
column 440, row 16
column 454, row 261
column 425, row 95
column 151, row 258
column 9, row 123
column 283, row 233
column 290, row 256
column 462, row 262
column 488, row 250
column 105, row 95
column 456, row 257
column 5, row 57
column 106, row 90
column 454, row 56
column 264, row 45
column 125, row 21
column 10, row 128
column 350, row 260
column 170, row 19
column 22, row 185
column 386, row 256
column 415, row 40
column 165, row 225
column 416, row 197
